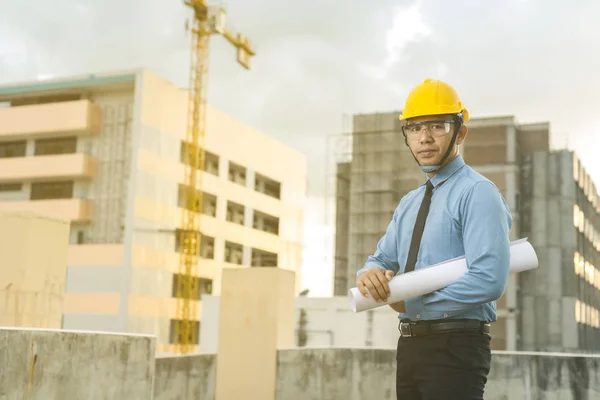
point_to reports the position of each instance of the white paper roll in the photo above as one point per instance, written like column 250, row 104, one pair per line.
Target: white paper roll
column 435, row 277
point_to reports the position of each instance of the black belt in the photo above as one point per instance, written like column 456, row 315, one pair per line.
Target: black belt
column 412, row 329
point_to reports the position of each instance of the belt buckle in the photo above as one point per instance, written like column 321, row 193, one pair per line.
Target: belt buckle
column 405, row 330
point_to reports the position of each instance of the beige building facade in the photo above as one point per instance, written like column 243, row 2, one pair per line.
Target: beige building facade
column 106, row 153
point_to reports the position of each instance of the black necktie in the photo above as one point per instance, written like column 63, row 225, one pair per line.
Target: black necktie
column 415, row 242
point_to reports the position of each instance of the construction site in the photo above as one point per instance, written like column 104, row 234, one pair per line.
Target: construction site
column 153, row 246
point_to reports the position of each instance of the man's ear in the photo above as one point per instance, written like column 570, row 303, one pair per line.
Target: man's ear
column 462, row 134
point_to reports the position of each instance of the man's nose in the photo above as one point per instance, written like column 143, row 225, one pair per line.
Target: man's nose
column 425, row 137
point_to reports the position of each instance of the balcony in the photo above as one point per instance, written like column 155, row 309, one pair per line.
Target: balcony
column 54, row 167
column 73, row 210
column 51, row 119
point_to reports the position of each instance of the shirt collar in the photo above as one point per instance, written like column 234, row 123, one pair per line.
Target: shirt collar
column 447, row 171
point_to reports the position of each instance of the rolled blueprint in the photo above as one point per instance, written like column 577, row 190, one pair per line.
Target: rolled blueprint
column 435, row 277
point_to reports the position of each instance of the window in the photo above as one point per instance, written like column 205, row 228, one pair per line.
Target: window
column 51, row 190
column 176, row 329
column 44, row 147
column 235, row 213
column 202, row 285
column 209, row 201
column 203, row 245
column 237, row 173
column 207, row 249
column 11, row 187
column 211, row 160
column 57, row 98
column 80, row 237
column 234, row 253
column 267, row 186
column 211, row 163
column 13, row 149
column 261, row 258
column 210, row 204
column 266, row 222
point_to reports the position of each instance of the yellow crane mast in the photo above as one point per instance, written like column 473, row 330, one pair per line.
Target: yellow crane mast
column 207, row 21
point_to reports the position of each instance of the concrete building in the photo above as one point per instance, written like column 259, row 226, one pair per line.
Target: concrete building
column 382, row 170
column 561, row 215
column 106, row 153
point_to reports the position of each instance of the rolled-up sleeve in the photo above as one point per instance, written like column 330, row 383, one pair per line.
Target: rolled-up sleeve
column 486, row 223
column 386, row 253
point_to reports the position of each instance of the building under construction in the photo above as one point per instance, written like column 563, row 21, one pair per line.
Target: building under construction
column 374, row 169
column 107, row 153
column 559, row 302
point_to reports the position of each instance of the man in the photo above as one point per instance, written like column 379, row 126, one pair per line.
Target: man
column 444, row 346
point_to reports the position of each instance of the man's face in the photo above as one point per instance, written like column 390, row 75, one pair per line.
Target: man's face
column 429, row 137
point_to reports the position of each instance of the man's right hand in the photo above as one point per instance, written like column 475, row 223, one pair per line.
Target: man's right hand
column 376, row 280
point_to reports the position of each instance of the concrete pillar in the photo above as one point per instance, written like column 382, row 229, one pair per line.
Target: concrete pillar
column 33, row 269
column 256, row 318
column 511, row 199
column 247, row 256
column 250, row 178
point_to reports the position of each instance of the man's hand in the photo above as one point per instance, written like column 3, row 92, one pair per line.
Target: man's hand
column 398, row 307
column 376, row 280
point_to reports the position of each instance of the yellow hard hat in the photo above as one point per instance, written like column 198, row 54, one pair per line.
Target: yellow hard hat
column 433, row 97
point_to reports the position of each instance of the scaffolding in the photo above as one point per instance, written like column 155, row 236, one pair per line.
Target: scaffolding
column 338, row 158
column 373, row 170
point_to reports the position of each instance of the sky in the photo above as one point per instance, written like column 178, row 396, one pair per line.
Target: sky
column 319, row 61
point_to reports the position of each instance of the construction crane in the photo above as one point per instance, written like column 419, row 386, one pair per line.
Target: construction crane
column 207, row 21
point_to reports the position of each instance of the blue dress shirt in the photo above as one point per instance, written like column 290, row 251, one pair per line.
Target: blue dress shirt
column 468, row 217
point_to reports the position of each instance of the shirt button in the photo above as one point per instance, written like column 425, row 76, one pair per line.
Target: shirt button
column 418, row 316
column 445, row 314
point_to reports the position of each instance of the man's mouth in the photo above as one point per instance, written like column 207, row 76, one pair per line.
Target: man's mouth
column 427, row 153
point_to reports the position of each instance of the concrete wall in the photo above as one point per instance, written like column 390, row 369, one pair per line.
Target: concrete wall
column 332, row 374
column 336, row 374
column 68, row 365
column 33, row 269
column 187, row 377
column 356, row 374
column 253, row 324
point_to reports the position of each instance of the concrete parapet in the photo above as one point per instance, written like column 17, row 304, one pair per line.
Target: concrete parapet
column 41, row 364
column 525, row 375
column 336, row 374
column 187, row 377
column 361, row 373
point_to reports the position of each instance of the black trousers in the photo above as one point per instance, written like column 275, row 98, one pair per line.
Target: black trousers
column 443, row 366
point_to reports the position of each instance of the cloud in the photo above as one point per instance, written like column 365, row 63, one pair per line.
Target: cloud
column 408, row 27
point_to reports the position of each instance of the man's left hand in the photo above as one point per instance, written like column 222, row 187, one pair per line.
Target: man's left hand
column 398, row 307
